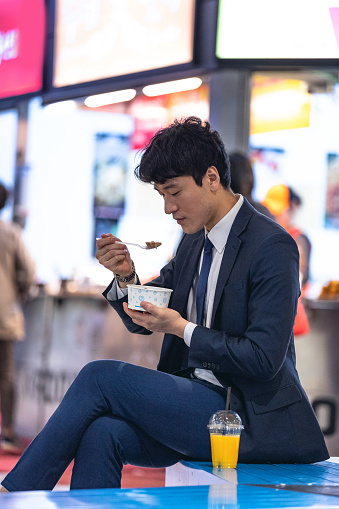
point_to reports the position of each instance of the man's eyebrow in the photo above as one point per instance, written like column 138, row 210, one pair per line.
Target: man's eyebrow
column 167, row 186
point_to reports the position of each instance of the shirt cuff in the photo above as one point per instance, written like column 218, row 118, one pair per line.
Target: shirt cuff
column 188, row 332
column 116, row 292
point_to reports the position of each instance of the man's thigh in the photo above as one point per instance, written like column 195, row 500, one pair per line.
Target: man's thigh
column 172, row 410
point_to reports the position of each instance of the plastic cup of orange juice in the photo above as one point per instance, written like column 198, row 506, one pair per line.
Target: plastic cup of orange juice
column 225, row 429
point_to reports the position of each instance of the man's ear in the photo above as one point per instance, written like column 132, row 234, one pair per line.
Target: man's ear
column 213, row 178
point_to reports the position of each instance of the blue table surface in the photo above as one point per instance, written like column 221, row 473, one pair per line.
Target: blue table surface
column 323, row 473
column 231, row 495
column 220, row 496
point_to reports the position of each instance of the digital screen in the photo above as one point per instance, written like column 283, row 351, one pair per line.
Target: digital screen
column 332, row 192
column 110, row 173
column 22, row 39
column 106, row 38
column 266, row 29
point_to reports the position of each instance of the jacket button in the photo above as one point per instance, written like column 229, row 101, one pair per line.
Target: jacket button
column 213, row 365
column 204, row 364
column 217, row 366
column 208, row 365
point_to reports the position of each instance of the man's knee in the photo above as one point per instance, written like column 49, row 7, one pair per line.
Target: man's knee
column 108, row 433
column 99, row 367
column 100, row 427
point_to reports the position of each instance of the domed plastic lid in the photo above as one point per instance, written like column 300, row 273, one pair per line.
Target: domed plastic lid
column 225, row 420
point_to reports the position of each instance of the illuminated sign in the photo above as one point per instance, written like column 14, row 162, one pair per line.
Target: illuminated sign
column 22, row 36
column 264, row 29
column 278, row 104
column 9, row 45
column 108, row 38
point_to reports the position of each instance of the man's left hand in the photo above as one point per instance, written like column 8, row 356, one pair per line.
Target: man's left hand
column 158, row 319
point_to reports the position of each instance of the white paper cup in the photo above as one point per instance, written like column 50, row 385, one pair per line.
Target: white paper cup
column 158, row 296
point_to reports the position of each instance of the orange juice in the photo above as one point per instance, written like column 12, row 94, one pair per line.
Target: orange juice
column 225, row 449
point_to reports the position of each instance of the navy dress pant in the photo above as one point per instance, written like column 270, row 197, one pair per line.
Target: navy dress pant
column 116, row 413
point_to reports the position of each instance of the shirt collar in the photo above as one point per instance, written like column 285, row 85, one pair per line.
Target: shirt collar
column 219, row 233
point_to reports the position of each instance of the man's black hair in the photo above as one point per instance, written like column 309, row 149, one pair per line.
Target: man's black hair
column 3, row 196
column 187, row 147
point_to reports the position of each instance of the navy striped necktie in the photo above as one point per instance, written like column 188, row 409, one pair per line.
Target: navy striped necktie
column 203, row 278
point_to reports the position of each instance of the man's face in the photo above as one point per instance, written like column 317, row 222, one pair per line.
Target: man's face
column 192, row 206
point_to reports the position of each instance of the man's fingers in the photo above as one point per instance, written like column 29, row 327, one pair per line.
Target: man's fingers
column 147, row 306
column 137, row 316
column 104, row 241
column 110, row 251
column 150, row 308
column 130, row 312
column 108, row 241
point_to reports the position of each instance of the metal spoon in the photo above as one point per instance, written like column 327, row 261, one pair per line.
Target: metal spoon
column 148, row 244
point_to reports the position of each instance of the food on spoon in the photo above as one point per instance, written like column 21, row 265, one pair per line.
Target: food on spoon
column 152, row 244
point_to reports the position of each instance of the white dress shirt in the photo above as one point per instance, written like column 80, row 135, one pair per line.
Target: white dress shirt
column 218, row 236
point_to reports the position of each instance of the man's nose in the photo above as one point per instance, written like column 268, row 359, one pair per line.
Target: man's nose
column 170, row 206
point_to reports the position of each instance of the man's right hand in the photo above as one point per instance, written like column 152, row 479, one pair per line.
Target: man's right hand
column 114, row 257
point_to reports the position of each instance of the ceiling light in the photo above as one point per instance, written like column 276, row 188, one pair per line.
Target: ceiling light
column 94, row 101
column 61, row 107
column 172, row 86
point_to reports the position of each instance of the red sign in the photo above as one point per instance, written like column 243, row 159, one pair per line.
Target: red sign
column 22, row 40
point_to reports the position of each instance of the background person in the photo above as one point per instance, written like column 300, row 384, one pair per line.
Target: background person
column 16, row 277
column 242, row 180
column 284, row 202
column 240, row 335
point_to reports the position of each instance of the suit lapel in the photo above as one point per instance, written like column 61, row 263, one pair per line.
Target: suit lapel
column 231, row 252
column 232, row 247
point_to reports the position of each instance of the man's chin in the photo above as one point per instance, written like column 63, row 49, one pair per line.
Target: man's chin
column 189, row 230
column 188, row 226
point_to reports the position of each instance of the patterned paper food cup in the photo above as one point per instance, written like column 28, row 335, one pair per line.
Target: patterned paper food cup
column 158, row 296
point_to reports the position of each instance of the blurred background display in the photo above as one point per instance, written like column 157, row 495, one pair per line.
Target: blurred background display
column 110, row 169
column 332, row 191
column 303, row 29
column 21, row 47
column 104, row 38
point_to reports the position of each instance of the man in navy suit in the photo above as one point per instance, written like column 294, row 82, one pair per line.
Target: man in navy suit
column 116, row 413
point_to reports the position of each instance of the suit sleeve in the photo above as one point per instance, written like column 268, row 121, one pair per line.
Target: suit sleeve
column 270, row 300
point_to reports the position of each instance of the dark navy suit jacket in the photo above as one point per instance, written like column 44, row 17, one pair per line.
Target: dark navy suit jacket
column 250, row 344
